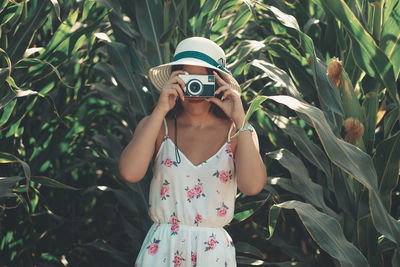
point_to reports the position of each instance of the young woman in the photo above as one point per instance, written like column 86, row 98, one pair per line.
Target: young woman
column 197, row 165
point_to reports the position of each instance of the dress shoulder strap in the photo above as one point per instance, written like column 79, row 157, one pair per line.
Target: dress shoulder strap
column 166, row 127
column 229, row 134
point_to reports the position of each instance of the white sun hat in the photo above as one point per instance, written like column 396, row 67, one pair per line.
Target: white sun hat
column 197, row 51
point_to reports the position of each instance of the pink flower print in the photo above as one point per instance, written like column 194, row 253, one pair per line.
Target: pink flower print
column 229, row 242
column 221, row 211
column 190, row 194
column 194, row 258
column 174, row 229
column 212, row 243
column 174, row 220
column 198, row 188
column 223, row 176
column 229, row 149
column 198, row 219
column 153, row 247
column 175, row 226
column 169, row 162
column 164, row 190
column 178, row 259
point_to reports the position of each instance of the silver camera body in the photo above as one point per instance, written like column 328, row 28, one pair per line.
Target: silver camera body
column 198, row 85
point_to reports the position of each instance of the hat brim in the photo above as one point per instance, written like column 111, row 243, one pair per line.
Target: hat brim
column 159, row 75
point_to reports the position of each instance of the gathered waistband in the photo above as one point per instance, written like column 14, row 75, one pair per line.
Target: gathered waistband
column 181, row 225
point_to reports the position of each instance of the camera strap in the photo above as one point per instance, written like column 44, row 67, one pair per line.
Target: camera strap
column 177, row 156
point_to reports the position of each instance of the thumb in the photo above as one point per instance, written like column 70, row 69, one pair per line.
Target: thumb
column 216, row 101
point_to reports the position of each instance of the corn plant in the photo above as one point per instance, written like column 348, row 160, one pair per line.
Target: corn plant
column 346, row 129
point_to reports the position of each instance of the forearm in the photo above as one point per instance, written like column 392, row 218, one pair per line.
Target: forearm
column 136, row 157
column 250, row 169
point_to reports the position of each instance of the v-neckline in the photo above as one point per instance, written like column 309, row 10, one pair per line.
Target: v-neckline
column 204, row 161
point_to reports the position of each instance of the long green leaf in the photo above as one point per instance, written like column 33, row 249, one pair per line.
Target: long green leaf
column 149, row 17
column 123, row 70
column 7, row 158
column 386, row 160
column 304, row 145
column 384, row 223
column 6, row 183
column 7, row 111
column 24, row 35
column 343, row 154
column 328, row 94
column 372, row 59
column 390, row 38
column 328, row 234
column 352, row 160
column 310, row 191
column 280, row 77
column 390, row 121
column 51, row 182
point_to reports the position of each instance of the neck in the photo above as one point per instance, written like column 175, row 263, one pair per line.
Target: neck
column 196, row 120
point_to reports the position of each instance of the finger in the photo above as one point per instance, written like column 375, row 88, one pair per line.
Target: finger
column 178, row 80
column 176, row 73
column 222, row 89
column 228, row 94
column 178, row 89
column 218, row 79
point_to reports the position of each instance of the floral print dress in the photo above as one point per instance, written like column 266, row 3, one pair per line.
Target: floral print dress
column 190, row 204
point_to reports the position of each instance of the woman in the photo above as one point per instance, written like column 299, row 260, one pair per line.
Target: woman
column 197, row 166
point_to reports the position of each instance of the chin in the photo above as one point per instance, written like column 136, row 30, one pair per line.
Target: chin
column 196, row 105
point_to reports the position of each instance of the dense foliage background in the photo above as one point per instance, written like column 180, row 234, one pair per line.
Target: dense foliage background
column 320, row 80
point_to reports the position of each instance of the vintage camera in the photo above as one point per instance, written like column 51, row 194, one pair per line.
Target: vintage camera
column 198, row 85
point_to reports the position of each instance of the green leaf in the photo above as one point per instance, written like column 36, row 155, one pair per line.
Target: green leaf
column 310, row 191
column 241, row 18
column 6, row 158
column 243, row 215
column 328, row 94
column 327, row 233
column 304, row 145
column 10, row 96
column 384, row 223
column 5, row 72
column 26, row 31
column 370, row 57
column 149, row 17
column 51, row 182
column 123, row 70
column 11, row 12
column 7, row 111
column 390, row 121
column 254, row 106
column 6, row 183
column 346, row 156
column 56, row 8
column 246, row 248
column 368, row 241
column 386, row 160
column 370, row 108
column 390, row 38
column 281, row 78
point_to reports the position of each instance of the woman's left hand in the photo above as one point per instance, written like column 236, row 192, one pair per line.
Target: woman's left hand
column 230, row 101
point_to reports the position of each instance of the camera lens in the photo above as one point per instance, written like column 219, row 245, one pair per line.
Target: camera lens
column 195, row 87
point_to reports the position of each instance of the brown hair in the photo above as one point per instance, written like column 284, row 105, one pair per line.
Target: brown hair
column 217, row 111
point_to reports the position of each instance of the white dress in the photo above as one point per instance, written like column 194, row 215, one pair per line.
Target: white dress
column 190, row 204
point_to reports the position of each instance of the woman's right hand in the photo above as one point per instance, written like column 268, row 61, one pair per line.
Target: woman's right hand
column 172, row 89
